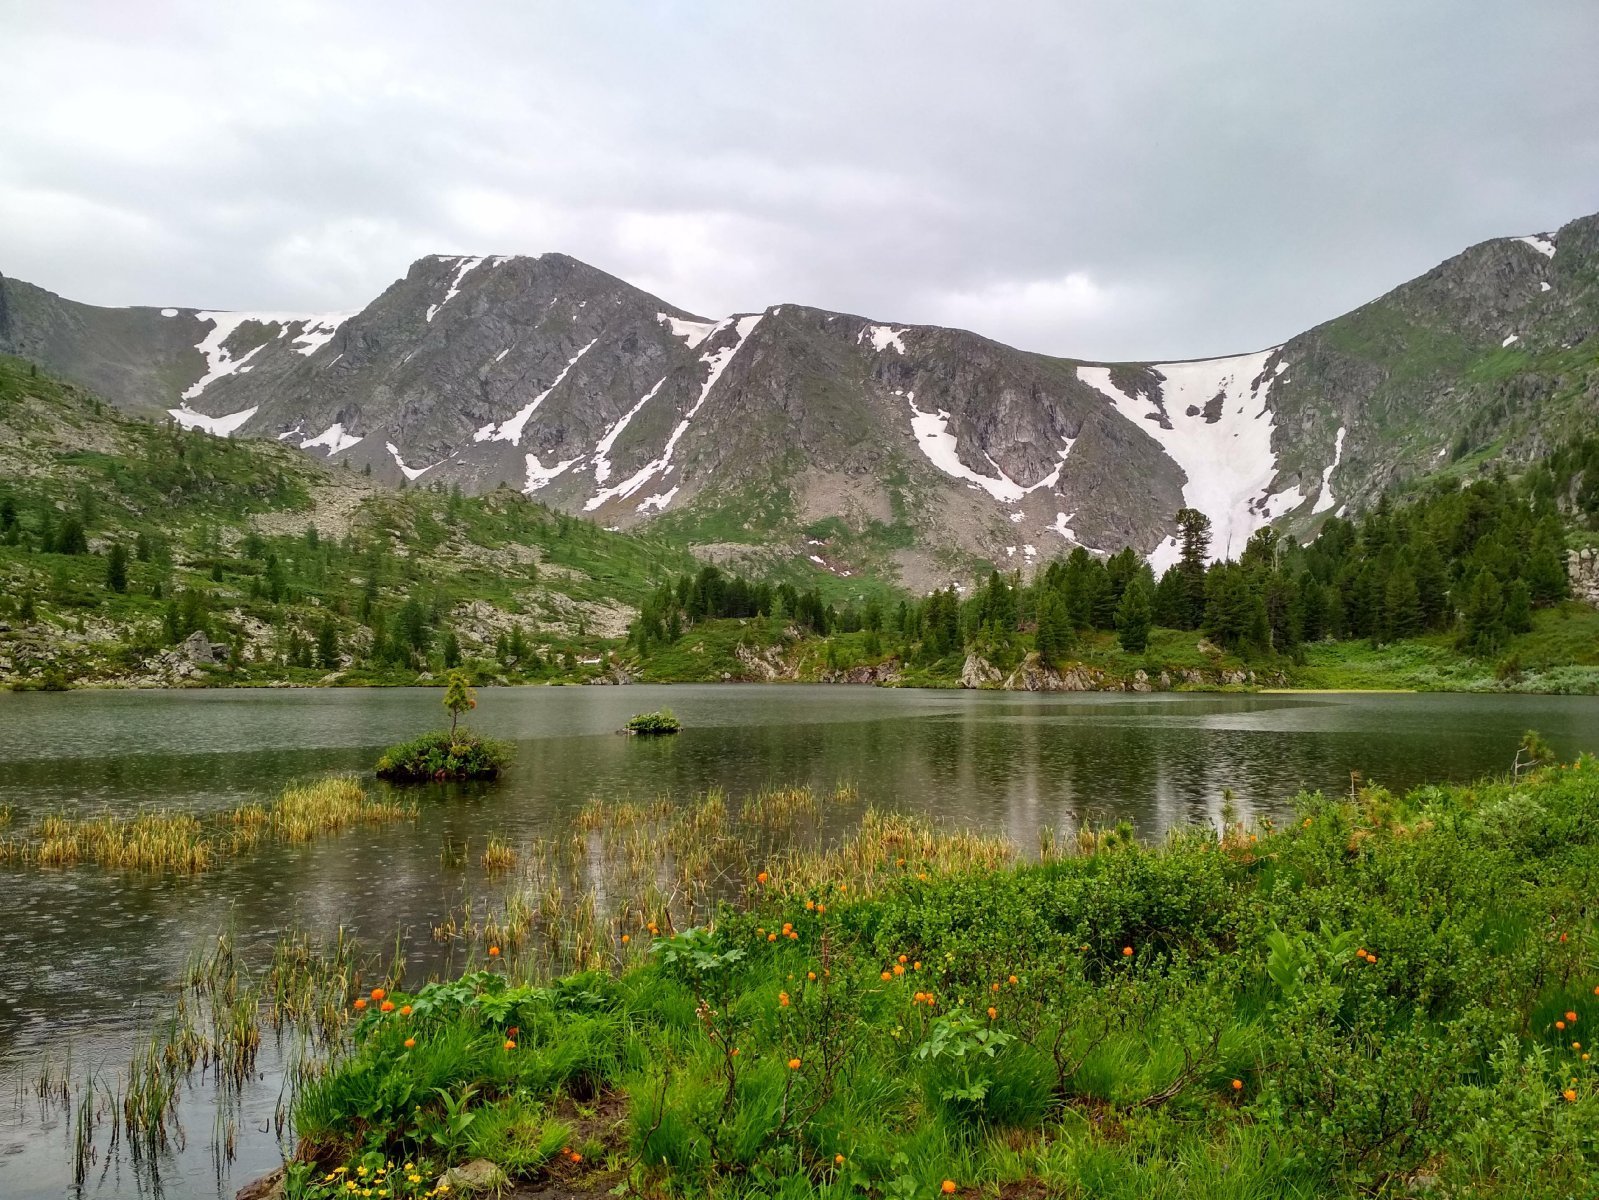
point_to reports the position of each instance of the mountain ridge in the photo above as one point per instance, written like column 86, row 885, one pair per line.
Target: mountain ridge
column 919, row 451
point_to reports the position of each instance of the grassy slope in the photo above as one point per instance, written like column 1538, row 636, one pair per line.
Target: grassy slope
column 1277, row 1016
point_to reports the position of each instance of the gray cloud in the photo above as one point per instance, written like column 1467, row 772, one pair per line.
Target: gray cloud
column 1099, row 179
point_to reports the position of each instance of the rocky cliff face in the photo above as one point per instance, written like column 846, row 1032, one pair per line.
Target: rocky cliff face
column 862, row 445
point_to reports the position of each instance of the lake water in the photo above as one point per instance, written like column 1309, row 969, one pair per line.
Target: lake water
column 88, row 957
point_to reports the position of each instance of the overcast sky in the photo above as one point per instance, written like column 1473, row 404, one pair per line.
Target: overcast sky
column 1107, row 179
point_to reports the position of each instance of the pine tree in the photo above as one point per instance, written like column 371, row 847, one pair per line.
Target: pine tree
column 327, row 644
column 1134, row 616
column 1483, row 628
column 116, row 568
column 1054, row 636
column 1402, row 615
column 1518, row 607
column 1193, row 528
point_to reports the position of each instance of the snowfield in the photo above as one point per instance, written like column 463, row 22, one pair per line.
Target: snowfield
column 1229, row 463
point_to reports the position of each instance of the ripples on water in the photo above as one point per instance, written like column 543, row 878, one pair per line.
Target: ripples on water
column 88, row 956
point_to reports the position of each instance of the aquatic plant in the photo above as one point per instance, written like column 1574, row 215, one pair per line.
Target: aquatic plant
column 653, row 724
column 444, row 755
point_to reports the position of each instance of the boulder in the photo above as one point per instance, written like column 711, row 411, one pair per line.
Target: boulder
column 475, row 1178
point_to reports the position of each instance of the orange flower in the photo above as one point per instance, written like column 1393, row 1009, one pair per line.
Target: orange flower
column 509, row 1044
column 993, row 987
column 838, row 1160
column 360, row 1004
column 1561, row 1025
column 782, row 999
column 948, row 1187
column 1371, row 959
column 1127, row 951
column 771, row 937
column 792, row 936
column 811, row 975
column 410, row 1043
column 810, row 906
column 405, row 1010
column 992, row 1012
column 762, row 877
column 793, row 1064
column 653, row 928
column 1571, row 1095
column 821, row 908
column 787, row 925
column 886, row 976
column 1238, row 1085
column 898, row 970
column 378, row 993
column 1014, row 980
column 916, row 966
column 386, row 1006
column 904, row 958
column 1571, row 1018
column 576, row 1157
column 494, row 952
column 626, row 939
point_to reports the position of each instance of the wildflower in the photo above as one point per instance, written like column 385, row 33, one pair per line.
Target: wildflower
column 787, row 926
column 771, row 937
column 904, row 958
column 1238, row 1085
column 992, row 1012
column 386, row 1006
column 509, row 1044
column 1571, row 1018
column 1371, row 960
column 810, row 906
column 413, row 1178
column 792, row 936
column 1560, row 1025
column 793, row 1064
column 576, row 1157
column 782, row 999
column 821, row 908
column 762, row 877
column 1571, row 1095
column 378, row 993
column 360, row 1004
column 410, row 1043
column 494, row 952
column 898, row 970
column 1576, row 1045
column 653, row 928
column 1127, row 951
column 405, row 1010
column 1013, row 980
column 838, row 1160
column 886, row 976
column 916, row 966
column 993, row 987
column 948, row 1187
column 811, row 975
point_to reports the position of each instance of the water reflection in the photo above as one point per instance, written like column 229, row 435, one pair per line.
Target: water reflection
column 93, row 955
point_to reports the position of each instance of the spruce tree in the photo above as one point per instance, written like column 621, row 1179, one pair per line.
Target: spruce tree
column 1054, row 637
column 1134, row 616
column 116, row 568
column 1482, row 620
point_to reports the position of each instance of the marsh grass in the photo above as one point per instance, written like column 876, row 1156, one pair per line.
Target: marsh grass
column 162, row 840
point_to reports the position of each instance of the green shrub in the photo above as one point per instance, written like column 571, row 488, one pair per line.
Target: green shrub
column 442, row 756
column 654, row 723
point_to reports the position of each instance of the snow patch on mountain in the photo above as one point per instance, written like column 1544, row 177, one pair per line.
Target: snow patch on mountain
column 659, row 501
column 1325, row 500
column 219, row 361
column 931, row 431
column 602, row 448
column 1228, row 461
column 692, row 332
column 334, row 438
column 717, row 361
column 1541, row 242
column 463, row 265
column 217, row 426
column 510, row 430
column 882, row 337
column 539, row 476
column 169, row 312
column 408, row 472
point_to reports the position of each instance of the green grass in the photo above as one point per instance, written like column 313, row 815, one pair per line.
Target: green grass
column 1386, row 987
column 442, row 755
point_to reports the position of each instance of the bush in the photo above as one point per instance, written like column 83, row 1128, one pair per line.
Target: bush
column 443, row 756
column 652, row 724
